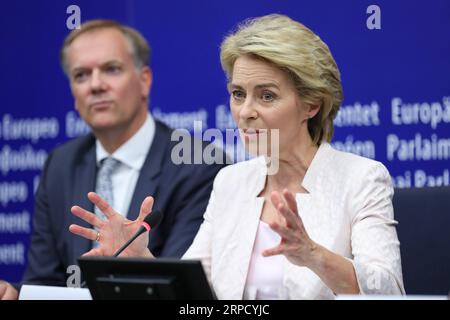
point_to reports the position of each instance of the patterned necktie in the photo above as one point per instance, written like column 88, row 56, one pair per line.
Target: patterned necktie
column 104, row 186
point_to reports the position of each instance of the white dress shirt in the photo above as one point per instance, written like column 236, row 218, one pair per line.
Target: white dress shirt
column 347, row 209
column 132, row 155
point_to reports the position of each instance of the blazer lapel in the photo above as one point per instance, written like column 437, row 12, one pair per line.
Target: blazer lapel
column 145, row 186
column 237, row 254
column 150, row 173
column 319, row 228
column 84, row 182
column 240, row 246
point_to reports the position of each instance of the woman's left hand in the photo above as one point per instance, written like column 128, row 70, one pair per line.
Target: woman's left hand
column 295, row 243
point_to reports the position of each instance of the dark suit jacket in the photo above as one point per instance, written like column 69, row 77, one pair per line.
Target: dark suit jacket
column 181, row 192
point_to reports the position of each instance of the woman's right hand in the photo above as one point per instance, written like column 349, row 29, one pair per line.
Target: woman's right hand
column 113, row 232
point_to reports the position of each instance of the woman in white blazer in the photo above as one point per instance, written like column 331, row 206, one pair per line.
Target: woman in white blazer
column 318, row 225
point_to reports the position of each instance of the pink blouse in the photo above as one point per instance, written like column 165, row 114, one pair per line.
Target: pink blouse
column 265, row 274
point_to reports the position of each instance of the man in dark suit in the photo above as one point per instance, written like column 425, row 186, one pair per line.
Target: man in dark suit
column 107, row 65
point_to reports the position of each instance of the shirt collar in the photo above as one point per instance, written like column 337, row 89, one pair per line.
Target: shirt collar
column 317, row 166
column 133, row 152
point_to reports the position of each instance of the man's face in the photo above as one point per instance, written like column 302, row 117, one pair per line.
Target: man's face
column 110, row 93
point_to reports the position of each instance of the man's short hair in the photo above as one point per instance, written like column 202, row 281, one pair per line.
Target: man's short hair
column 140, row 49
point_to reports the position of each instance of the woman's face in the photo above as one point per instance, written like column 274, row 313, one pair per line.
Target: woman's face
column 263, row 98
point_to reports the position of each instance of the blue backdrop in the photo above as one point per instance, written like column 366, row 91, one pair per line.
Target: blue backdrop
column 396, row 84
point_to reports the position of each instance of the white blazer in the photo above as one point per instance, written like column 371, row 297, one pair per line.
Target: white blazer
column 348, row 210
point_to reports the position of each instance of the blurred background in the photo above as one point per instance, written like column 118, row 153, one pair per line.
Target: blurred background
column 394, row 58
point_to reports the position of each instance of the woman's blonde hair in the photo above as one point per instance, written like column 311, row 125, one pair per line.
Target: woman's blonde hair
column 294, row 48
